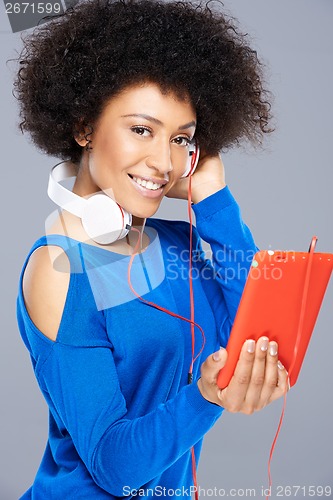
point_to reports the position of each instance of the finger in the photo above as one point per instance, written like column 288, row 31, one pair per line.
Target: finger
column 236, row 391
column 283, row 384
column 212, row 365
column 258, row 374
column 209, row 372
column 271, row 375
column 283, row 379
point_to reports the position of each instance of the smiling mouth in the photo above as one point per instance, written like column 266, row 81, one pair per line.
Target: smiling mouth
column 148, row 184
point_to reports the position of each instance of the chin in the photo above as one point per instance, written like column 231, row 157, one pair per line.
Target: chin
column 144, row 214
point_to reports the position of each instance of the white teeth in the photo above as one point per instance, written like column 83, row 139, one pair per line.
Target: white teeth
column 147, row 184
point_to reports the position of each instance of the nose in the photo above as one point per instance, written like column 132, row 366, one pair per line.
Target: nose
column 159, row 157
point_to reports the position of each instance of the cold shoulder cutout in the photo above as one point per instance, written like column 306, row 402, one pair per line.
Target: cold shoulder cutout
column 45, row 286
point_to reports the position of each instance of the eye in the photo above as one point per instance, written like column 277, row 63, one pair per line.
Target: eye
column 182, row 141
column 140, row 130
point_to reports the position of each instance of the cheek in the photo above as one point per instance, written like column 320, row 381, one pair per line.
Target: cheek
column 179, row 162
column 107, row 159
column 117, row 151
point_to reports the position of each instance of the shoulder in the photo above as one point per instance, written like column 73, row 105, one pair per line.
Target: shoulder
column 45, row 285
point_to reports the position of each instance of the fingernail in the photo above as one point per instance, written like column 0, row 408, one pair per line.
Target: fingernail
column 273, row 349
column 280, row 365
column 216, row 356
column 250, row 345
column 264, row 345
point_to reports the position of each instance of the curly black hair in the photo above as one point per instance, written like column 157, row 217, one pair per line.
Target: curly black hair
column 73, row 64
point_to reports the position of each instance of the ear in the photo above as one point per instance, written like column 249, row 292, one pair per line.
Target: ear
column 82, row 134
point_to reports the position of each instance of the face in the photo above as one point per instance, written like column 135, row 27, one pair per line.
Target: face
column 139, row 148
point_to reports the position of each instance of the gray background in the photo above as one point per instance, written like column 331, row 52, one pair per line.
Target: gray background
column 285, row 193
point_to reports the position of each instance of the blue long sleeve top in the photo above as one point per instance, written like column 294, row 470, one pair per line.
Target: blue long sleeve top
column 122, row 417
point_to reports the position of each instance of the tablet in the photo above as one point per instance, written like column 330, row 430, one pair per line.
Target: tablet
column 281, row 300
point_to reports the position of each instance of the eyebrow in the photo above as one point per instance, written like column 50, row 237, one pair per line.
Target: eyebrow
column 158, row 122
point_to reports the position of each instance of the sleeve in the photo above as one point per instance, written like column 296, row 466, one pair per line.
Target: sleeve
column 219, row 223
column 83, row 386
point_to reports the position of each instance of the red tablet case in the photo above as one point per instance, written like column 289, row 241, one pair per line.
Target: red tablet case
column 283, row 291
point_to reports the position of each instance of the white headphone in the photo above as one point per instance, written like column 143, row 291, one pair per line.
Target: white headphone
column 103, row 219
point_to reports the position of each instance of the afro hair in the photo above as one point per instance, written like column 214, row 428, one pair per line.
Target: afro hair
column 74, row 63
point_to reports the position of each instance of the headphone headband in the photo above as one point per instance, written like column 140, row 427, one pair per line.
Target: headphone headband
column 59, row 194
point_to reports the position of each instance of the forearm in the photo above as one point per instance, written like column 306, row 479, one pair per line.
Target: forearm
column 133, row 452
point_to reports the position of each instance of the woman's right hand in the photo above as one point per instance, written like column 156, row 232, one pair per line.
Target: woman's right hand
column 208, row 178
column 259, row 378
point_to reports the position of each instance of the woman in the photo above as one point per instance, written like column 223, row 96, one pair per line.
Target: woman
column 120, row 89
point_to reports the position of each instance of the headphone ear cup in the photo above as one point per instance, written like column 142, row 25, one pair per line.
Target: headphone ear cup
column 192, row 162
column 104, row 220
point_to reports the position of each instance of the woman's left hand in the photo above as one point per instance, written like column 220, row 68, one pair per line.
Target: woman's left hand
column 208, row 178
column 259, row 378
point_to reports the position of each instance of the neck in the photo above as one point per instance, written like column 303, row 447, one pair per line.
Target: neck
column 133, row 235
column 138, row 222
